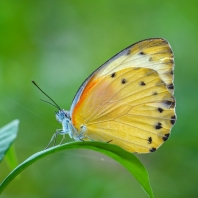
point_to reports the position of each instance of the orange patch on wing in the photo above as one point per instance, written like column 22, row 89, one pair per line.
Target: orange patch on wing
column 75, row 117
column 89, row 85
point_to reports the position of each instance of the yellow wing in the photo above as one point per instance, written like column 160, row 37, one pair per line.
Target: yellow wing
column 129, row 101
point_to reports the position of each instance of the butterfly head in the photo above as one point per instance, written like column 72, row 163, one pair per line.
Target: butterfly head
column 62, row 115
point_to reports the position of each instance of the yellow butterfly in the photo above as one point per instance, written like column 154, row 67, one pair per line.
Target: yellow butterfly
column 128, row 101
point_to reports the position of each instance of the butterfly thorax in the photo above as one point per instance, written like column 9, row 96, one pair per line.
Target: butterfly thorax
column 63, row 116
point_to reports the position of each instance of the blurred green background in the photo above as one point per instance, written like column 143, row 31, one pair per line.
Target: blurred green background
column 58, row 44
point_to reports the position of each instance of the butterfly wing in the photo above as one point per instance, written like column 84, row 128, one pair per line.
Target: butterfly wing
column 128, row 101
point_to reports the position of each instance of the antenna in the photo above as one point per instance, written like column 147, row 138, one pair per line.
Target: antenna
column 49, row 103
column 55, row 105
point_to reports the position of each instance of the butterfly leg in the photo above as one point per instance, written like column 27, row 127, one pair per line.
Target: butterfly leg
column 62, row 139
column 81, row 137
column 60, row 132
column 50, row 141
column 53, row 138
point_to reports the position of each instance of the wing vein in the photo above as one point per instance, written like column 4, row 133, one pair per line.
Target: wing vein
column 123, row 139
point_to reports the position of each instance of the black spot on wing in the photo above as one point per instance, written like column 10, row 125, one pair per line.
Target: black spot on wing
column 142, row 83
column 171, row 104
column 113, row 75
column 142, row 53
column 152, row 149
column 171, row 72
column 173, row 119
column 168, row 102
column 171, row 86
column 158, row 126
column 123, row 81
column 155, row 93
column 166, row 136
column 160, row 110
column 150, row 140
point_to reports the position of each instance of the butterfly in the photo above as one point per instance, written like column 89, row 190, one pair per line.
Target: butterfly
column 128, row 101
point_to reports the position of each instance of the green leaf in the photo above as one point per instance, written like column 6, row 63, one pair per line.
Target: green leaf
column 8, row 134
column 128, row 160
column 11, row 158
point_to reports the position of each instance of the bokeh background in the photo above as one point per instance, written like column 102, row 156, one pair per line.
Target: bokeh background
column 58, row 44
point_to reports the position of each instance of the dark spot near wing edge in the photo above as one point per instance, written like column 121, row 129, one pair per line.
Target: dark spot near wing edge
column 171, row 86
column 152, row 150
column 173, row 118
column 166, row 136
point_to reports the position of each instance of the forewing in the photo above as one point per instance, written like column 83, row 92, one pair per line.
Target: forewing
column 154, row 53
column 128, row 101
